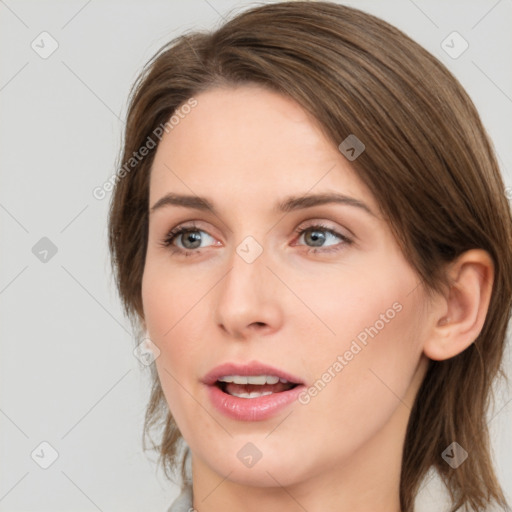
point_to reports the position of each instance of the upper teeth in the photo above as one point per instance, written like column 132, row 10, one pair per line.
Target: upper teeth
column 252, row 379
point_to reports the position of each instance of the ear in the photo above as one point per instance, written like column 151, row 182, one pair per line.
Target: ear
column 459, row 315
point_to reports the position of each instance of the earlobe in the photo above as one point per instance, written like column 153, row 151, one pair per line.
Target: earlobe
column 459, row 316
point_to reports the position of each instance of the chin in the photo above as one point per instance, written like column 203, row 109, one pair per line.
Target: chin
column 271, row 470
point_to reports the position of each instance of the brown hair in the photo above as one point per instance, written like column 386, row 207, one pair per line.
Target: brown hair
column 428, row 161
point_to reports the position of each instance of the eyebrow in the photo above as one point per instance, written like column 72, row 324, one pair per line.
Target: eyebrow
column 289, row 204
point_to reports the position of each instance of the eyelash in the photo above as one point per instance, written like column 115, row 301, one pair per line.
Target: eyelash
column 167, row 242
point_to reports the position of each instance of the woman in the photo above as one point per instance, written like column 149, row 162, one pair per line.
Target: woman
column 311, row 231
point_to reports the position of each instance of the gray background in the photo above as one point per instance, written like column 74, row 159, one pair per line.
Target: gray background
column 67, row 372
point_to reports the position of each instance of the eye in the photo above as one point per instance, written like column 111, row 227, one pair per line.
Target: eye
column 190, row 238
column 319, row 236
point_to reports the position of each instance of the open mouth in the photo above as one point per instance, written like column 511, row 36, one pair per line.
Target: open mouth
column 242, row 386
column 252, row 391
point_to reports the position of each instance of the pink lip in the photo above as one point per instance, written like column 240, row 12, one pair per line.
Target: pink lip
column 250, row 409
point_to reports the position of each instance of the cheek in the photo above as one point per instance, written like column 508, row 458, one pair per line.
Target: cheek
column 361, row 372
column 167, row 297
column 351, row 304
column 169, row 314
column 168, row 311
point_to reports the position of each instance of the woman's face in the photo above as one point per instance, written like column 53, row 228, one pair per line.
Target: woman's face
column 272, row 280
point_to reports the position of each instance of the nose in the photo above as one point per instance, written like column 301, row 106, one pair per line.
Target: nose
column 247, row 302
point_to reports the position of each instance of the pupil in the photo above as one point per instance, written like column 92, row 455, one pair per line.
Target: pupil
column 192, row 236
column 317, row 236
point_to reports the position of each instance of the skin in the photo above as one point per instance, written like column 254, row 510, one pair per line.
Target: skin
column 293, row 309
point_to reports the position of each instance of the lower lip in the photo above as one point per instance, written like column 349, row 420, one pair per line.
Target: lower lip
column 252, row 409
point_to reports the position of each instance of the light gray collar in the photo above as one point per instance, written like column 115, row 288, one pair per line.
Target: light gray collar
column 183, row 503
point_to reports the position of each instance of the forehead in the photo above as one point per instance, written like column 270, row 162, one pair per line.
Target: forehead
column 253, row 143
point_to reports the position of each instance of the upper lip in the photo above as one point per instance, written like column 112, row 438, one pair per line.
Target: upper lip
column 252, row 368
